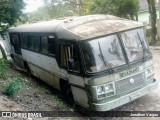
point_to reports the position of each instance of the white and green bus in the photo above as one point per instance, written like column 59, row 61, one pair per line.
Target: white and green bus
column 99, row 62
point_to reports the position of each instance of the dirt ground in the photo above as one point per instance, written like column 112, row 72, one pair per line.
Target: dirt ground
column 8, row 105
column 37, row 96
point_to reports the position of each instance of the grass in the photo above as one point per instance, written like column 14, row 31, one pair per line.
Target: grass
column 155, row 44
column 4, row 67
column 60, row 102
column 13, row 86
column 44, row 88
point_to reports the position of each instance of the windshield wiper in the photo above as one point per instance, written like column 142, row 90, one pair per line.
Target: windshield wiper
column 101, row 56
column 142, row 43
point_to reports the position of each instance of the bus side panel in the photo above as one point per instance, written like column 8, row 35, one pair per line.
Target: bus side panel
column 44, row 67
column 18, row 60
column 45, row 62
column 80, row 96
column 78, row 90
column 47, row 77
column 76, row 80
column 16, row 50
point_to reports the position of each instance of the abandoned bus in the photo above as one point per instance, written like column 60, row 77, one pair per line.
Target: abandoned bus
column 102, row 61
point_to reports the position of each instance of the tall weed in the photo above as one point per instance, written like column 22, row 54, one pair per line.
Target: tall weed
column 4, row 67
column 13, row 86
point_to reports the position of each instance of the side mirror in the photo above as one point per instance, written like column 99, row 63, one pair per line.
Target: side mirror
column 70, row 64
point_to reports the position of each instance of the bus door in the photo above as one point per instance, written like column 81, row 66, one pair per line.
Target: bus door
column 70, row 59
column 16, row 51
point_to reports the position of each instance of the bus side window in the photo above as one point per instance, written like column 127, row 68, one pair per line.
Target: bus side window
column 16, row 43
column 76, row 59
column 51, row 43
column 30, row 42
column 15, row 39
column 69, row 51
column 44, row 45
column 36, row 43
column 63, row 55
column 24, row 44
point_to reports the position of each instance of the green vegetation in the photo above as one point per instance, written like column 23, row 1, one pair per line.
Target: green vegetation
column 122, row 8
column 153, row 15
column 52, row 10
column 44, row 88
column 4, row 67
column 13, row 86
column 63, row 8
column 60, row 102
column 10, row 12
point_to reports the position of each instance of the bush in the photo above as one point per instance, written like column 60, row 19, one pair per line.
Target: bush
column 13, row 87
column 4, row 66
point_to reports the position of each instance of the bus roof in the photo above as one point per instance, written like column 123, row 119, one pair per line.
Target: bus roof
column 80, row 28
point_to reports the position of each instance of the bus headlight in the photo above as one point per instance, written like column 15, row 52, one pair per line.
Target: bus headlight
column 148, row 72
column 107, row 90
column 108, row 87
column 100, row 89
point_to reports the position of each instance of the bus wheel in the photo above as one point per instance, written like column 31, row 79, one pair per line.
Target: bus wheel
column 67, row 93
column 27, row 69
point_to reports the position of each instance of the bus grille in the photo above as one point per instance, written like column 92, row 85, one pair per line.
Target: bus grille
column 125, row 85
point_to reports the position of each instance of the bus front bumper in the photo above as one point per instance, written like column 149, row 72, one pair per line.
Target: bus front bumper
column 105, row 106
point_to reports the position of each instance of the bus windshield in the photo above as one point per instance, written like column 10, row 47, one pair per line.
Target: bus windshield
column 102, row 53
column 135, row 44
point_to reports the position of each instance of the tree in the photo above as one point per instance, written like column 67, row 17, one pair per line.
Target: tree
column 10, row 11
column 121, row 8
column 153, row 18
column 63, row 8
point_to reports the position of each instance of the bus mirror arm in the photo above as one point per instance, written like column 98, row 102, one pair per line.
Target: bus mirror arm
column 70, row 64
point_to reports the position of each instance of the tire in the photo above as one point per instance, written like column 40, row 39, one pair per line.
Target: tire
column 67, row 93
column 28, row 70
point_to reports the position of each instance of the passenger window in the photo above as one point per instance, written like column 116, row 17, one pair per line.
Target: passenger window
column 30, row 43
column 51, row 42
column 63, row 55
column 76, row 59
column 15, row 39
column 16, row 43
column 44, row 45
column 34, row 43
column 24, row 44
column 47, row 45
column 69, row 51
